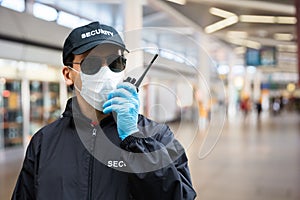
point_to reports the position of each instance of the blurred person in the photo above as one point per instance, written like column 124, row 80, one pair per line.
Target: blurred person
column 101, row 148
column 259, row 107
column 276, row 105
column 245, row 105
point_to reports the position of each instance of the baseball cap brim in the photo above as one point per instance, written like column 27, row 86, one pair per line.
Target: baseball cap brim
column 91, row 45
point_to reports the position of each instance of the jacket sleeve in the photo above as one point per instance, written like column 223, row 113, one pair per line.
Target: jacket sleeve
column 166, row 175
column 25, row 186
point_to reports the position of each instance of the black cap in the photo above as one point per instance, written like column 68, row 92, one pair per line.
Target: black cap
column 86, row 37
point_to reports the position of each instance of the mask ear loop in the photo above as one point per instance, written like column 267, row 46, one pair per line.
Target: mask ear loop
column 78, row 73
column 73, row 69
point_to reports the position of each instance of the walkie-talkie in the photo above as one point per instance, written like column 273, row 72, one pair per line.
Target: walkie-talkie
column 139, row 81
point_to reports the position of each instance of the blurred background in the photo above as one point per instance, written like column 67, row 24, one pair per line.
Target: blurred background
column 226, row 81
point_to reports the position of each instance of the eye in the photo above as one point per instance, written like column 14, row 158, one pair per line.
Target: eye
column 117, row 64
column 111, row 58
column 91, row 65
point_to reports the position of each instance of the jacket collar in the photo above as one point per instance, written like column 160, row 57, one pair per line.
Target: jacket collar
column 73, row 110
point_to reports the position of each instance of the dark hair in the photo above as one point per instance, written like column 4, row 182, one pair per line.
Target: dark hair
column 70, row 59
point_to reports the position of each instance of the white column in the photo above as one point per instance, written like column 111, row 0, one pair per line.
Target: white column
column 2, row 86
column 29, row 6
column 231, row 91
column 257, row 82
column 25, row 95
column 247, row 83
column 133, row 24
column 133, row 14
column 204, row 65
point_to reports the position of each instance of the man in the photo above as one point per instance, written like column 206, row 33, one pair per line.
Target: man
column 101, row 148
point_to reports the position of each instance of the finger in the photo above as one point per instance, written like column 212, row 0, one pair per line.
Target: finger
column 110, row 108
column 118, row 108
column 115, row 100
column 127, row 86
column 125, row 92
column 120, row 93
column 126, row 108
column 121, row 101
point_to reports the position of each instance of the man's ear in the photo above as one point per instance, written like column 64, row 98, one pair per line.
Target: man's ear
column 68, row 75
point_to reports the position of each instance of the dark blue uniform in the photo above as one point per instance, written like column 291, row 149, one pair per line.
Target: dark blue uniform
column 73, row 158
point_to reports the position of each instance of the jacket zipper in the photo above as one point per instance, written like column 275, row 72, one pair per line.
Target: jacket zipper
column 91, row 163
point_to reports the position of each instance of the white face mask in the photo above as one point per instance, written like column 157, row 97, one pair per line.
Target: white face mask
column 95, row 88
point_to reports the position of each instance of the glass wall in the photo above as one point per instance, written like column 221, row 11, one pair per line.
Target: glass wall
column 29, row 99
column 44, row 104
column 11, row 113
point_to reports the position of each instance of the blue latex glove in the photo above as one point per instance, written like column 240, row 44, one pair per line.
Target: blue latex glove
column 125, row 102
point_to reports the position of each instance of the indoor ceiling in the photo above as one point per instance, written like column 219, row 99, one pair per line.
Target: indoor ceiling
column 196, row 15
column 199, row 12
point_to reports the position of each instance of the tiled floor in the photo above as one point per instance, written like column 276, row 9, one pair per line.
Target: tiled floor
column 252, row 159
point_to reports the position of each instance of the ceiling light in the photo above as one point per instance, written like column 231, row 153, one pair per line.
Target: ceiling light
column 257, row 19
column 252, row 44
column 291, row 87
column 68, row 20
column 251, row 69
column 239, row 50
column 236, row 41
column 283, row 36
column 17, row 5
column 243, row 42
column 287, row 48
column 221, row 24
column 181, row 2
column 223, row 69
column 267, row 19
column 220, row 12
column 286, row 20
column 44, row 12
column 237, row 34
column 238, row 82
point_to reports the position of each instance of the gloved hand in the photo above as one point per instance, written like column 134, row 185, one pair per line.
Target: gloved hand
column 125, row 102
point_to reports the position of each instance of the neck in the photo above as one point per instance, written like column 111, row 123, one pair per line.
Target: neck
column 89, row 111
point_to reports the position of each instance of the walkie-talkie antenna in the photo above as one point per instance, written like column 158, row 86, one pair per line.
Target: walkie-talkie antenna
column 137, row 84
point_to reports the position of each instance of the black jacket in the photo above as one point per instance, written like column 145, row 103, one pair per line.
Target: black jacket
column 73, row 159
